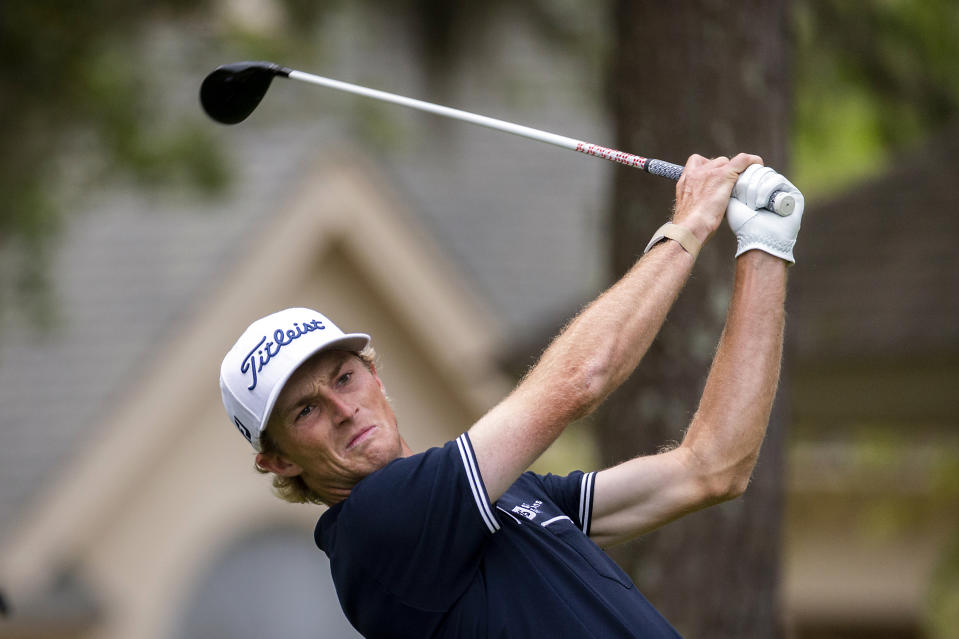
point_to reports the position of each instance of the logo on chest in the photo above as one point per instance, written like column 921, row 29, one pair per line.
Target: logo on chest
column 529, row 511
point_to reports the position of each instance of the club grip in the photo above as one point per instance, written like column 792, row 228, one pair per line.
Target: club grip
column 665, row 169
column 780, row 202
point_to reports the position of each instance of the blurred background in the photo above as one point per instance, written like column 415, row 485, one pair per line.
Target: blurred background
column 138, row 239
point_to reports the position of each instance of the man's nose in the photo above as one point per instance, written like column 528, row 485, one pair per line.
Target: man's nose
column 343, row 410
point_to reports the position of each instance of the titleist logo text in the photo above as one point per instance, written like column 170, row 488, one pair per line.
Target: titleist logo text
column 264, row 351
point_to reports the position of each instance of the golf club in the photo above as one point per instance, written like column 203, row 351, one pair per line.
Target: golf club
column 231, row 92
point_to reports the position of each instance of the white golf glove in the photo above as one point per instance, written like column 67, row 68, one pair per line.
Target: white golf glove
column 755, row 226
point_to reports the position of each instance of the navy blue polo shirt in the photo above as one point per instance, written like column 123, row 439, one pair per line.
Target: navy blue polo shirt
column 417, row 550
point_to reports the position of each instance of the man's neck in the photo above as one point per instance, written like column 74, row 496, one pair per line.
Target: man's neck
column 332, row 495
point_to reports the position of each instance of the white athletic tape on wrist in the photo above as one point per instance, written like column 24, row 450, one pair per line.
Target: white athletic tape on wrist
column 681, row 234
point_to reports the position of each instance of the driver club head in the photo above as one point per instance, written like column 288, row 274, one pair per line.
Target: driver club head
column 231, row 92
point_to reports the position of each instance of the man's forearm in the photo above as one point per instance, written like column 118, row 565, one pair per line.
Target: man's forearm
column 727, row 431
column 601, row 347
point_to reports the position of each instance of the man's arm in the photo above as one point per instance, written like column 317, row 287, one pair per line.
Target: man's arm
column 604, row 344
column 717, row 455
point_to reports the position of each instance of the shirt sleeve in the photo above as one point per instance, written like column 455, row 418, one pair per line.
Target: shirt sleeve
column 573, row 493
column 418, row 526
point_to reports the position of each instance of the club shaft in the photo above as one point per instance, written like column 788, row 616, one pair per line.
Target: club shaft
column 665, row 169
column 780, row 202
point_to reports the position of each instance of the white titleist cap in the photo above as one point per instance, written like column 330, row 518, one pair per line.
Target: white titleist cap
column 266, row 355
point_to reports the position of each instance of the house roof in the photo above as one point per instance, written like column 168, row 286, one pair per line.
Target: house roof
column 877, row 270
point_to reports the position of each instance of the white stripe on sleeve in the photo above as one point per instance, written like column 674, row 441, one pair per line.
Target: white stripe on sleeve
column 476, row 483
column 586, row 500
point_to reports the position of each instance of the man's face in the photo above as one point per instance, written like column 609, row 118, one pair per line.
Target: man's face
column 333, row 423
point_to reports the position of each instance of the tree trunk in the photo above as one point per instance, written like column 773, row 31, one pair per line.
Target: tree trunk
column 711, row 78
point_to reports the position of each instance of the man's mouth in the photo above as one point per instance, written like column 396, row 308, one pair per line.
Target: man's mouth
column 360, row 437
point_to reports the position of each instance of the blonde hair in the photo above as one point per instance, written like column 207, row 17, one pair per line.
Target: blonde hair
column 294, row 489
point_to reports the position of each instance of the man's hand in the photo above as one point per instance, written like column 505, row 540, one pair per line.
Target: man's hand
column 754, row 226
column 703, row 191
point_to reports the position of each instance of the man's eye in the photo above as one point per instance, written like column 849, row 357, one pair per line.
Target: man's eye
column 306, row 411
column 345, row 378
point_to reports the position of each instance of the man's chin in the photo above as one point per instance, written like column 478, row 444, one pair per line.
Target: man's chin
column 377, row 454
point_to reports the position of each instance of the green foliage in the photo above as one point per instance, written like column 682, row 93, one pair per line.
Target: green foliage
column 74, row 104
column 871, row 78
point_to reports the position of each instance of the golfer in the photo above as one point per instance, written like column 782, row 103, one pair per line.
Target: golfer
column 459, row 541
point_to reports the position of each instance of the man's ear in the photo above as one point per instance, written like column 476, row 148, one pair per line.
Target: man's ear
column 278, row 464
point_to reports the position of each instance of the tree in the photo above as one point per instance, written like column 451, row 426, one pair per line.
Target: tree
column 710, row 78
